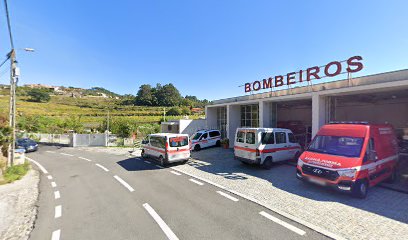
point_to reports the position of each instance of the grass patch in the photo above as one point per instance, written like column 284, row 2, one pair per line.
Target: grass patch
column 15, row 172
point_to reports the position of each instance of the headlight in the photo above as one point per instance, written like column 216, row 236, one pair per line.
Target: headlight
column 300, row 162
column 347, row 173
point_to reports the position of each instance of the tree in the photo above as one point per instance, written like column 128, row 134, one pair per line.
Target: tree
column 168, row 95
column 145, row 96
column 174, row 111
column 185, row 111
column 39, row 95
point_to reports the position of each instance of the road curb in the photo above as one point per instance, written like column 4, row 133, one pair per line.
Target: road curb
column 282, row 213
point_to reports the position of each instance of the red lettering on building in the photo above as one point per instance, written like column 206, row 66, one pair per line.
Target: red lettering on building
column 313, row 71
column 267, row 83
column 352, row 62
column 338, row 69
column 256, row 86
column 247, row 87
column 289, row 77
column 278, row 81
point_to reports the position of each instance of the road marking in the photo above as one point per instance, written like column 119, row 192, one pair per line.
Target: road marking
column 104, row 168
column 58, row 211
column 86, row 159
column 56, row 235
column 285, row 224
column 38, row 165
column 273, row 209
column 159, row 166
column 196, row 182
column 53, row 184
column 49, row 177
column 169, row 233
column 66, row 154
column 147, row 162
column 57, row 195
column 228, row 196
column 50, row 152
column 175, row 173
column 124, row 183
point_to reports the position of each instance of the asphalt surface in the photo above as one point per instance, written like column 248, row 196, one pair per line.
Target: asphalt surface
column 91, row 195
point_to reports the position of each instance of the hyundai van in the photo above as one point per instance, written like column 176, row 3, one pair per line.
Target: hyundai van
column 166, row 147
column 350, row 157
column 264, row 146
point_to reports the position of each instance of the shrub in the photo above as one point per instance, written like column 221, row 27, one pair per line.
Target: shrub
column 39, row 95
column 174, row 111
column 16, row 172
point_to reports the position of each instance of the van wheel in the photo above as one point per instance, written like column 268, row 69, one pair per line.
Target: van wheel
column 267, row 164
column 197, row 147
column 360, row 189
column 393, row 177
column 218, row 143
column 162, row 162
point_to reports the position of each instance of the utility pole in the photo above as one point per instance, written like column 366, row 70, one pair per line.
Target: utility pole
column 14, row 73
column 164, row 114
column 107, row 125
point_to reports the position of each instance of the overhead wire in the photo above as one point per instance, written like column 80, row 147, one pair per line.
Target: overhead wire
column 9, row 24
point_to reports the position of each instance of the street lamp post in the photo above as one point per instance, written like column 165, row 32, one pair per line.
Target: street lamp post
column 14, row 74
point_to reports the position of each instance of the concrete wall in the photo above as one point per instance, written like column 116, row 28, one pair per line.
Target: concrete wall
column 234, row 121
column 211, row 116
column 191, row 126
column 302, row 113
column 319, row 112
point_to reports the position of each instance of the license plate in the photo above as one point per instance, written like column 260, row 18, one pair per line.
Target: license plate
column 317, row 181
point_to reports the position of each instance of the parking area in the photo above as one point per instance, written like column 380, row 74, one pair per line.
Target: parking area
column 382, row 215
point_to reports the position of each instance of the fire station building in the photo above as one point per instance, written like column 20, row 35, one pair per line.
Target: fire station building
column 306, row 106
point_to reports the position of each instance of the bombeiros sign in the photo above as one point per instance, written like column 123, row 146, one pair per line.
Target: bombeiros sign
column 331, row 69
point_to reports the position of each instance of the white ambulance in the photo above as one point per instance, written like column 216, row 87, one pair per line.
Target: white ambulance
column 264, row 146
column 166, row 147
column 205, row 138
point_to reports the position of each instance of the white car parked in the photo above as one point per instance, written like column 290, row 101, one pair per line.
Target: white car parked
column 205, row 138
column 264, row 146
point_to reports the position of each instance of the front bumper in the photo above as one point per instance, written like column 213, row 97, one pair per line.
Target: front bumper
column 341, row 185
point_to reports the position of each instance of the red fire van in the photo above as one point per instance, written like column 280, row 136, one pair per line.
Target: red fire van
column 350, row 157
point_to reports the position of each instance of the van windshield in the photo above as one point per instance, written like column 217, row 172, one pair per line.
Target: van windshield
column 178, row 141
column 197, row 136
column 335, row 145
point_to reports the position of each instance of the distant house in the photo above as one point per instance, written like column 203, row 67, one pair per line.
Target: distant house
column 197, row 110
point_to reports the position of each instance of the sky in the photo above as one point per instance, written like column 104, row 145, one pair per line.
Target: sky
column 205, row 48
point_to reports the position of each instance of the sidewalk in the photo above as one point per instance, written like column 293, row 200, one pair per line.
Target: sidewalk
column 17, row 207
column 382, row 215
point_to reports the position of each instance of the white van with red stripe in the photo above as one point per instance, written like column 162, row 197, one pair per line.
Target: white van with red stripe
column 167, row 147
column 205, row 138
column 264, row 146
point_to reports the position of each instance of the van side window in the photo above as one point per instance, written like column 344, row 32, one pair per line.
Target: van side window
column 214, row 134
column 240, row 136
column 204, row 136
column 280, row 137
column 370, row 148
column 291, row 138
column 268, row 138
column 250, row 138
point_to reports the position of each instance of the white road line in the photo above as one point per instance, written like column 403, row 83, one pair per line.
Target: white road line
column 196, row 182
column 50, row 152
column 49, row 177
column 175, row 173
column 38, row 165
column 66, row 154
column 273, row 209
column 169, row 233
column 285, row 224
column 57, row 195
column 104, row 168
column 159, row 166
column 56, row 235
column 53, row 184
column 58, row 211
column 228, row 196
column 124, row 183
column 147, row 162
column 86, row 159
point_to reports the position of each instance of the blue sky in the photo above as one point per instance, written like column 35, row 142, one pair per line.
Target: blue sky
column 205, row 48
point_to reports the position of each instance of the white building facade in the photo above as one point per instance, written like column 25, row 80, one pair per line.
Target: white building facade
column 379, row 98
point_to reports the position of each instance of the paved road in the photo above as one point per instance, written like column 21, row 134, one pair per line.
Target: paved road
column 90, row 195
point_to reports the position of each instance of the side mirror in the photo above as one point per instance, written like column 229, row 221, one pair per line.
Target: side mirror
column 372, row 155
column 145, row 142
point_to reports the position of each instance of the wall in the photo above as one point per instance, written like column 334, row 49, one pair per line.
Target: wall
column 302, row 113
column 234, row 121
column 189, row 127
